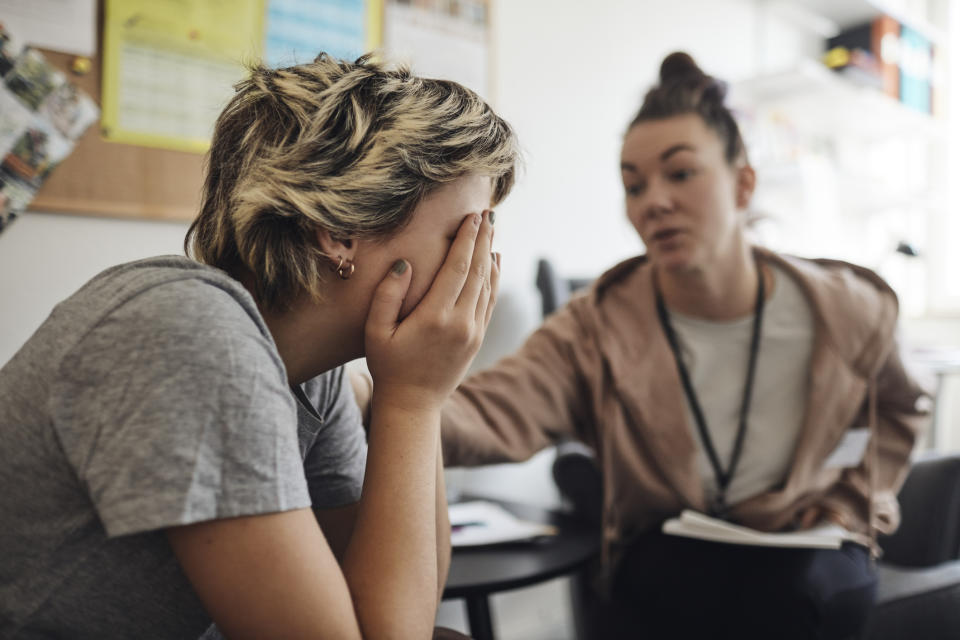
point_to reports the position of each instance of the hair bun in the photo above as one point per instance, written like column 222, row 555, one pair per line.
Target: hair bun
column 679, row 65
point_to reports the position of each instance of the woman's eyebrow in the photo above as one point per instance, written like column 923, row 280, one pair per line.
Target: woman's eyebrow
column 683, row 146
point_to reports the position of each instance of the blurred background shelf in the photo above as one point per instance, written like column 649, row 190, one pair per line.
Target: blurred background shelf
column 821, row 102
column 829, row 17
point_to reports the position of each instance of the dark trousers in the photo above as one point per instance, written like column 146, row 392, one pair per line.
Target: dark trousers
column 673, row 587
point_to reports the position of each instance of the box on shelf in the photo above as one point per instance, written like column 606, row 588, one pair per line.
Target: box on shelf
column 888, row 55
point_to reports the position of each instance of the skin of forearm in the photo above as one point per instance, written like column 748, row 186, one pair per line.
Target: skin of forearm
column 363, row 390
column 443, row 528
column 391, row 563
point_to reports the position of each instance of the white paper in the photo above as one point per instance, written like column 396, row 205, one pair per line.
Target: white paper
column 60, row 25
column 692, row 524
column 479, row 522
column 438, row 45
column 850, row 451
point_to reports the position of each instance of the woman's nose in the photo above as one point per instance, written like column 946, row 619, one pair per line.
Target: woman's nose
column 657, row 201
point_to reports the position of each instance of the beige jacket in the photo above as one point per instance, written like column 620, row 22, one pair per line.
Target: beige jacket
column 600, row 370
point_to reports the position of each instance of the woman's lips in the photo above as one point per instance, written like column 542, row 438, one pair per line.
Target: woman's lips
column 666, row 234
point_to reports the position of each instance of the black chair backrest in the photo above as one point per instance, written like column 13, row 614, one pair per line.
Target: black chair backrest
column 554, row 290
column 577, row 476
column 929, row 532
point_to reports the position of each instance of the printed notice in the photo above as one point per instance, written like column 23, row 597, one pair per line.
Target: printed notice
column 169, row 67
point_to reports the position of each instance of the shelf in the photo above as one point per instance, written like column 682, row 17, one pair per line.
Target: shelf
column 817, row 101
column 849, row 13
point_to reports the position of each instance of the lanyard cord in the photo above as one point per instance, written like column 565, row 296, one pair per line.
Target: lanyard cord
column 719, row 508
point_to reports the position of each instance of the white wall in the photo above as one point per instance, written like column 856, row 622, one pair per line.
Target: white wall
column 569, row 75
column 44, row 258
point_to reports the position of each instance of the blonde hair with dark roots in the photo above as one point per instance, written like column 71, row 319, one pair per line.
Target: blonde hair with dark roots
column 350, row 147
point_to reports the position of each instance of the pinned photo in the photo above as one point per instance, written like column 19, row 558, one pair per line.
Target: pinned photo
column 9, row 50
column 32, row 79
column 36, row 153
column 70, row 110
column 15, row 195
column 15, row 117
column 41, row 116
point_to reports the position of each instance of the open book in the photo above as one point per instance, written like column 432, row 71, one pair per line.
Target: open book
column 692, row 524
column 479, row 522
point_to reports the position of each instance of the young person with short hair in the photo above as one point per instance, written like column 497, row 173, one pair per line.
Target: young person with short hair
column 180, row 444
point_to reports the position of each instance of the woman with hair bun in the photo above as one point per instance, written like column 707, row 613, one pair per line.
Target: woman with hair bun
column 181, row 445
column 714, row 375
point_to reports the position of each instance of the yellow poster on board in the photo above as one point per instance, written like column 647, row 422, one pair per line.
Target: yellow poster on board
column 169, row 67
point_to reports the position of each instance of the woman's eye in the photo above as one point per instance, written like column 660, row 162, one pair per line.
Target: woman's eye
column 681, row 174
column 634, row 189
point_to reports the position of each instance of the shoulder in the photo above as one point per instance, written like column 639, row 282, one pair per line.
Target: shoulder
column 620, row 293
column 855, row 306
column 621, row 274
column 839, row 285
column 166, row 291
column 167, row 311
column 611, row 284
column 835, row 276
column 615, row 313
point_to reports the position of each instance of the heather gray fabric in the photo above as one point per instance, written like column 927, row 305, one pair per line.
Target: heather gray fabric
column 152, row 397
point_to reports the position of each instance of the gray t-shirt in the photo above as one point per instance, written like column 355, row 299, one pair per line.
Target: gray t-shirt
column 153, row 397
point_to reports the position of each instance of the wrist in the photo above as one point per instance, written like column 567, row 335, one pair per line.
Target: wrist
column 408, row 399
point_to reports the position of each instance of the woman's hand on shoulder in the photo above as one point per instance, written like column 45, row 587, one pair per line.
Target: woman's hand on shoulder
column 417, row 362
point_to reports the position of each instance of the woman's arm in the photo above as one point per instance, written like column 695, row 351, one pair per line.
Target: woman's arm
column 903, row 412
column 443, row 528
column 267, row 576
column 527, row 400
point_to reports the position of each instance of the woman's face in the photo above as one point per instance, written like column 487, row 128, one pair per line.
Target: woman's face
column 425, row 240
column 682, row 196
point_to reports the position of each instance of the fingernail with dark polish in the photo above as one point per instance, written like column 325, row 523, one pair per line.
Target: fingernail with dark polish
column 491, row 216
column 399, row 266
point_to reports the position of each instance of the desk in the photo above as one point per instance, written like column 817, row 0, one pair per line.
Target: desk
column 478, row 572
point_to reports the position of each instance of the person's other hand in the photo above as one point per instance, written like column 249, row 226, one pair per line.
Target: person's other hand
column 418, row 362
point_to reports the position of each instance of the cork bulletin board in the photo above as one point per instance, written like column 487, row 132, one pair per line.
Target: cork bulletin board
column 119, row 180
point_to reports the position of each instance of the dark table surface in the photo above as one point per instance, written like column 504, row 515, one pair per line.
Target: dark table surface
column 485, row 570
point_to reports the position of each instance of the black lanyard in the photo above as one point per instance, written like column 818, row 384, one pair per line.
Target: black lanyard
column 718, row 507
